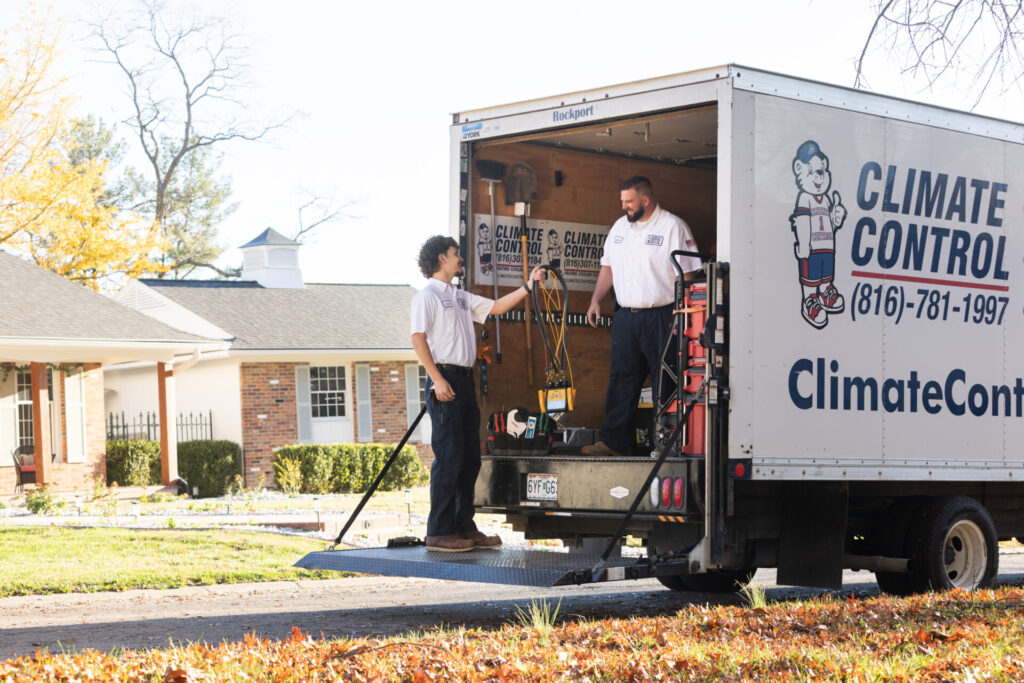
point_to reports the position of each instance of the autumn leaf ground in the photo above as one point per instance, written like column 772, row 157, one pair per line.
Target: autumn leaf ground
column 936, row 637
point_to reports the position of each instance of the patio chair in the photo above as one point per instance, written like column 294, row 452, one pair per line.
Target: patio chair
column 24, row 466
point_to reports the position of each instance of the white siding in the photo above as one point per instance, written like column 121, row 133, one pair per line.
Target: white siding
column 8, row 420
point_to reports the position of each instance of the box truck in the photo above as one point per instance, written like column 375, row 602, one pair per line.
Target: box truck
column 849, row 364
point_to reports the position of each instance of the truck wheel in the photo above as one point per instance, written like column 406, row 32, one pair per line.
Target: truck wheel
column 893, row 535
column 674, row 582
column 954, row 546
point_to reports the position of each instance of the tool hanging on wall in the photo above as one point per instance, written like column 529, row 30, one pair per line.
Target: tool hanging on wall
column 484, row 356
column 491, row 172
column 521, row 191
column 552, row 306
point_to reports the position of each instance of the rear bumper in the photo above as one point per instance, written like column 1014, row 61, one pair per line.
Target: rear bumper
column 586, row 487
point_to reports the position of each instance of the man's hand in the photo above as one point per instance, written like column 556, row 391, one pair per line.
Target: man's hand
column 443, row 391
column 537, row 274
column 593, row 313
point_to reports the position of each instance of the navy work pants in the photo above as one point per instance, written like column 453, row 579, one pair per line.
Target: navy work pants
column 455, row 440
column 637, row 340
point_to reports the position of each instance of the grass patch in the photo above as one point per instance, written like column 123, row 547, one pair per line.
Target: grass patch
column 40, row 560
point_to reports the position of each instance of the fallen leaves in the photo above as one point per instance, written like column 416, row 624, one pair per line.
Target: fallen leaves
column 923, row 638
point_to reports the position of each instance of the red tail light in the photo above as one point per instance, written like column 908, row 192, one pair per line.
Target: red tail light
column 677, row 493
column 666, row 491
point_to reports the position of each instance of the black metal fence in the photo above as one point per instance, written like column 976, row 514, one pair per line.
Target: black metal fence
column 191, row 426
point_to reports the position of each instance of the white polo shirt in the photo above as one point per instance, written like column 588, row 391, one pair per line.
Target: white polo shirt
column 640, row 258
column 446, row 315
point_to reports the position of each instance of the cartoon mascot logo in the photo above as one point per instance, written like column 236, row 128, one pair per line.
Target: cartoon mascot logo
column 815, row 220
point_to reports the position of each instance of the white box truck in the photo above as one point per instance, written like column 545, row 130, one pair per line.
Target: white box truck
column 858, row 400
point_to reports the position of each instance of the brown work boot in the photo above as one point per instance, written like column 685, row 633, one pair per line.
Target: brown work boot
column 600, row 450
column 453, row 543
column 482, row 540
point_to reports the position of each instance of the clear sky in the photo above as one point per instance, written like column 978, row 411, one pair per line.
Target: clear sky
column 374, row 85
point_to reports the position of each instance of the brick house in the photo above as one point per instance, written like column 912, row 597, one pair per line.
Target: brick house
column 55, row 338
column 306, row 363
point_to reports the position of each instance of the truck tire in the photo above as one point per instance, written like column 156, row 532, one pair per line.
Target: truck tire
column 892, row 539
column 954, row 545
column 718, row 581
column 674, row 582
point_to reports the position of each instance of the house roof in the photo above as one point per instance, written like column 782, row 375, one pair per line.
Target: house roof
column 316, row 317
column 45, row 317
column 269, row 236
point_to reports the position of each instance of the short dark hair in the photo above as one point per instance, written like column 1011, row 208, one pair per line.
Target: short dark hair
column 431, row 250
column 639, row 183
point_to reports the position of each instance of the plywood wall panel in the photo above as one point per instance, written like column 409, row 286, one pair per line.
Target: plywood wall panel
column 589, row 194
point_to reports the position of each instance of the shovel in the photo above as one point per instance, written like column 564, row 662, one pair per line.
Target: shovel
column 521, row 190
column 491, row 172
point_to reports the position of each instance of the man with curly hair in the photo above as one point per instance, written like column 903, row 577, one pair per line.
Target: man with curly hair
column 445, row 343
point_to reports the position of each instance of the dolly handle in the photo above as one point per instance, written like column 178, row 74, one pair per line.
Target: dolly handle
column 383, row 471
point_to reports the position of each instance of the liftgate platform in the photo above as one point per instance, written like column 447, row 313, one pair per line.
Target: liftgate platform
column 511, row 566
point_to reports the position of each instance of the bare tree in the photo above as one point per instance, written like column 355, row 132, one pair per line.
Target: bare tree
column 184, row 74
column 974, row 44
column 316, row 211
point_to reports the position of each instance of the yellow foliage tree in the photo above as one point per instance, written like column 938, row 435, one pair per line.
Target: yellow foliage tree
column 52, row 209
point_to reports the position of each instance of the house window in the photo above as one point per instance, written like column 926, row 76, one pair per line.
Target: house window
column 327, row 391
column 23, row 397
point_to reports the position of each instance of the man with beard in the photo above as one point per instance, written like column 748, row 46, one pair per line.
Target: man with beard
column 637, row 262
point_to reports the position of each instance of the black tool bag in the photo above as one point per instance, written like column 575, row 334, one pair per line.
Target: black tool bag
column 532, row 433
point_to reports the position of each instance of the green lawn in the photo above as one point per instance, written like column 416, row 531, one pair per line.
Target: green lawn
column 37, row 560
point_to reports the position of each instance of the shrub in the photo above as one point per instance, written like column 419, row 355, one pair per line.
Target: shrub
column 133, row 462
column 42, row 501
column 288, row 475
column 345, row 467
column 209, row 465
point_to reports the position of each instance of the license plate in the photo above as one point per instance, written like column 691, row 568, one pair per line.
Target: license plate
column 541, row 487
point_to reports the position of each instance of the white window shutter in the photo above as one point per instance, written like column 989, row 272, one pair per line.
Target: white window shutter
column 305, row 414
column 8, row 420
column 56, row 418
column 412, row 399
column 74, row 402
column 364, row 429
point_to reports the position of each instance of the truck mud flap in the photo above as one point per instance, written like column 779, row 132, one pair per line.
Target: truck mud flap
column 510, row 566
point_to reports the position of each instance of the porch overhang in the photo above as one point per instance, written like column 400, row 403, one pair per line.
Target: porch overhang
column 102, row 351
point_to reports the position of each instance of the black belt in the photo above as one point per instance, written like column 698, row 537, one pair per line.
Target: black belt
column 457, row 369
column 650, row 308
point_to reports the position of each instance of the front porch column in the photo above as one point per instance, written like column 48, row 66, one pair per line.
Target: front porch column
column 41, row 424
column 168, row 425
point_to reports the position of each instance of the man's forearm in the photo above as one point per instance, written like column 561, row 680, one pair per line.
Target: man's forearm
column 603, row 285
column 422, row 351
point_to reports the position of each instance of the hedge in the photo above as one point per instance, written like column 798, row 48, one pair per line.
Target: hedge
column 209, row 465
column 350, row 468
column 205, row 464
column 133, row 463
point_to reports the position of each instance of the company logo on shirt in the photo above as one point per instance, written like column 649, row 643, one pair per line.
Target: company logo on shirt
column 617, row 239
column 654, row 240
column 447, row 303
column 463, row 304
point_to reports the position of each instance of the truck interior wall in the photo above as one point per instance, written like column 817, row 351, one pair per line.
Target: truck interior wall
column 589, row 194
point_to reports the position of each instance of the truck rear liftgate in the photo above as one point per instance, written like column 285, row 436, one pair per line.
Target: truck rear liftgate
column 511, row 566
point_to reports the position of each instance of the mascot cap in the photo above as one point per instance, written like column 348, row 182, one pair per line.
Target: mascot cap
column 808, row 151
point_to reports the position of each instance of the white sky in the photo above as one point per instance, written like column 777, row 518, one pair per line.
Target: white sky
column 375, row 84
